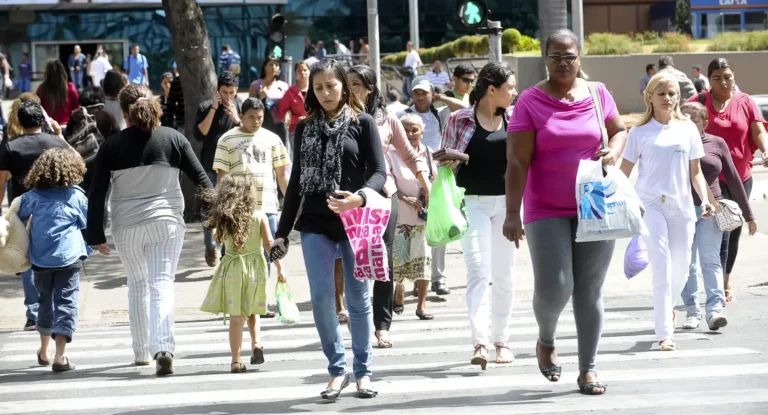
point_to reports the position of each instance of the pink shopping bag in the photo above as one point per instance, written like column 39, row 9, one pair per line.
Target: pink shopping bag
column 365, row 228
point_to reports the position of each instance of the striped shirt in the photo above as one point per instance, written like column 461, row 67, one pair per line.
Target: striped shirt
column 439, row 79
column 259, row 155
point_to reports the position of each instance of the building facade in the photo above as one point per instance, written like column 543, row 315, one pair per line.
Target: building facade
column 711, row 17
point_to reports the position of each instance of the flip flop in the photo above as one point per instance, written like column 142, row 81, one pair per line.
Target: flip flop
column 40, row 361
column 383, row 343
column 424, row 316
column 66, row 367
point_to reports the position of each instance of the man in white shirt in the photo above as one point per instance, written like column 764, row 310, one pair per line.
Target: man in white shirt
column 394, row 106
column 696, row 72
column 340, row 49
column 99, row 67
column 412, row 63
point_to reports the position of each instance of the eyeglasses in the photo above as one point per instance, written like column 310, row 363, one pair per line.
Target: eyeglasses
column 468, row 80
column 559, row 58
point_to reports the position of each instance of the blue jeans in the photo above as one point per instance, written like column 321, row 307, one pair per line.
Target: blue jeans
column 706, row 246
column 319, row 256
column 31, row 297
column 59, row 292
column 25, row 85
column 208, row 240
column 77, row 79
column 407, row 81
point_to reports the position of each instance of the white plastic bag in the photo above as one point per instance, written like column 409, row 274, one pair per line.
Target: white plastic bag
column 608, row 205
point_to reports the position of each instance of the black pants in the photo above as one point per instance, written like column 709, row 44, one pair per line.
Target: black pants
column 384, row 291
column 730, row 246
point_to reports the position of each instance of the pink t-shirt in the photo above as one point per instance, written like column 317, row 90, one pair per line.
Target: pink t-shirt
column 734, row 125
column 566, row 133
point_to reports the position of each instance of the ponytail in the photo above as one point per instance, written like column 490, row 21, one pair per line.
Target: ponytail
column 142, row 110
column 494, row 74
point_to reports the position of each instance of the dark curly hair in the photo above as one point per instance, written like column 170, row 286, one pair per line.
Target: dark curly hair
column 231, row 207
column 56, row 168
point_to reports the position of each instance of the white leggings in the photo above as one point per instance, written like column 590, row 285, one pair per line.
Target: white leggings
column 150, row 255
column 669, row 250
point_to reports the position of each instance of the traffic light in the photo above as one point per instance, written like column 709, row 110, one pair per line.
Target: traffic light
column 276, row 42
column 472, row 13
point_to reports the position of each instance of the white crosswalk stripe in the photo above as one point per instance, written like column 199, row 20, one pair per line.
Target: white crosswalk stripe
column 429, row 358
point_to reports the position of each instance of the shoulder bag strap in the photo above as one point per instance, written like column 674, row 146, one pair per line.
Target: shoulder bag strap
column 599, row 110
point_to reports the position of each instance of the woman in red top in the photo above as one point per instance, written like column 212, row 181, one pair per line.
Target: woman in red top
column 291, row 109
column 736, row 118
column 57, row 95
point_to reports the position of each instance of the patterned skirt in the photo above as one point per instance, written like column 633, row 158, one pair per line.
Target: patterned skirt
column 239, row 286
column 411, row 255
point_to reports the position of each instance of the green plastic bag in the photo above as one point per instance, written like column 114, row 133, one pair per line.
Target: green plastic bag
column 447, row 218
column 286, row 307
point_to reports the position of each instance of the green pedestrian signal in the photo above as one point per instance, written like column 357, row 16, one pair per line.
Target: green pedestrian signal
column 277, row 51
column 472, row 13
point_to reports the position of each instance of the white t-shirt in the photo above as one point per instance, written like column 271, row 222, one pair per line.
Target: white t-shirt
column 99, row 68
column 432, row 137
column 413, row 60
column 663, row 154
column 705, row 79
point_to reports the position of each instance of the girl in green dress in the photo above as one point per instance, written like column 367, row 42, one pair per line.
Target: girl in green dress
column 239, row 285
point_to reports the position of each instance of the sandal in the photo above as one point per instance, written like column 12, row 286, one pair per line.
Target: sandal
column 384, row 341
column 589, row 387
column 333, row 394
column 257, row 356
column 399, row 293
column 500, row 347
column 424, row 316
column 40, row 361
column 549, row 372
column 667, row 345
column 59, row 368
column 480, row 357
column 237, row 367
column 366, row 393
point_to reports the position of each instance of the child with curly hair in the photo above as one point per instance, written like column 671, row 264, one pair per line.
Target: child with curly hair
column 58, row 209
column 239, row 285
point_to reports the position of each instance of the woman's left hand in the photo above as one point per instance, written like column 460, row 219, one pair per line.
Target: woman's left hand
column 707, row 210
column 752, row 227
column 349, row 201
column 281, row 276
column 608, row 156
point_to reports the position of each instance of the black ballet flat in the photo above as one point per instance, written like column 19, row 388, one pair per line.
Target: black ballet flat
column 333, row 394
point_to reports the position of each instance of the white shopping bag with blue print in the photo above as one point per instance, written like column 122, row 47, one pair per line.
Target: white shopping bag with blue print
column 608, row 205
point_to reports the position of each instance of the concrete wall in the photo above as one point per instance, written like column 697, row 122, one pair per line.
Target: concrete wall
column 622, row 74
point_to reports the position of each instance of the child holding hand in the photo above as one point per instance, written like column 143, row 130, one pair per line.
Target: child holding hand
column 239, row 285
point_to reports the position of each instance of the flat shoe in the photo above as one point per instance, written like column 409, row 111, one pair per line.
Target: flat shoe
column 164, row 364
column 333, row 394
column 424, row 316
column 366, row 393
column 42, row 362
column 589, row 387
column 549, row 372
column 257, row 356
column 66, row 367
column 237, row 367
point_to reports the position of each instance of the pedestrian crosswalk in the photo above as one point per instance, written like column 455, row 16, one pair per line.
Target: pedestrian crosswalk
column 427, row 371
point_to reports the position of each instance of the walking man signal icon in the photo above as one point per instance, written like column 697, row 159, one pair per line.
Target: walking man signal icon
column 472, row 13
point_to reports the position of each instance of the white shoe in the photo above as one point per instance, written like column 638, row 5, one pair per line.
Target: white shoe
column 716, row 320
column 692, row 322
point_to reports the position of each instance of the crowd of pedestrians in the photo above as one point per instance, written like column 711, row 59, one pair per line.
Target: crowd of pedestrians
column 331, row 143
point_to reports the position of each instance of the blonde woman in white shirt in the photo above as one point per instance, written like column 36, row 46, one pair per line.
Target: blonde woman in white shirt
column 668, row 148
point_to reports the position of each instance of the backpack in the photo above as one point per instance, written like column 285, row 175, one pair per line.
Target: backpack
column 82, row 133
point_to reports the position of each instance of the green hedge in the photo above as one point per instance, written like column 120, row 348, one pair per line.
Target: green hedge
column 730, row 41
column 673, row 42
column 511, row 39
column 611, row 44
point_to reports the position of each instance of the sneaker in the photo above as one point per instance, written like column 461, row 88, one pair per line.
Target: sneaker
column 211, row 258
column 164, row 364
column 692, row 322
column 716, row 320
column 31, row 325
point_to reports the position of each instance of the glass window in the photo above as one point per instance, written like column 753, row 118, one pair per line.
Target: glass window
column 731, row 22
column 756, row 21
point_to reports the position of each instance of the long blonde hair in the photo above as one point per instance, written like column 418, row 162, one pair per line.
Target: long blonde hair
column 648, row 94
column 14, row 126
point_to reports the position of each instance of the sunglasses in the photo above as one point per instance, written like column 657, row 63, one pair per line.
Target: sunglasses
column 468, row 80
column 560, row 58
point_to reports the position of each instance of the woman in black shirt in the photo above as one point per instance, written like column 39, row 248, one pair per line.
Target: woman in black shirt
column 338, row 152
column 480, row 132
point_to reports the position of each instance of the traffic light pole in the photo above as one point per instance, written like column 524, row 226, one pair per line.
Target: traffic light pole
column 413, row 17
column 494, row 41
column 374, row 56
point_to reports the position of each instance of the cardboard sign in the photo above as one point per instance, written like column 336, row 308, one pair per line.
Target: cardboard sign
column 365, row 228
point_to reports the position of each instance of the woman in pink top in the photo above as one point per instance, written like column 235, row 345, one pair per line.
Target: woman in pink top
column 362, row 82
column 291, row 108
column 58, row 96
column 270, row 90
column 553, row 128
column 735, row 117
